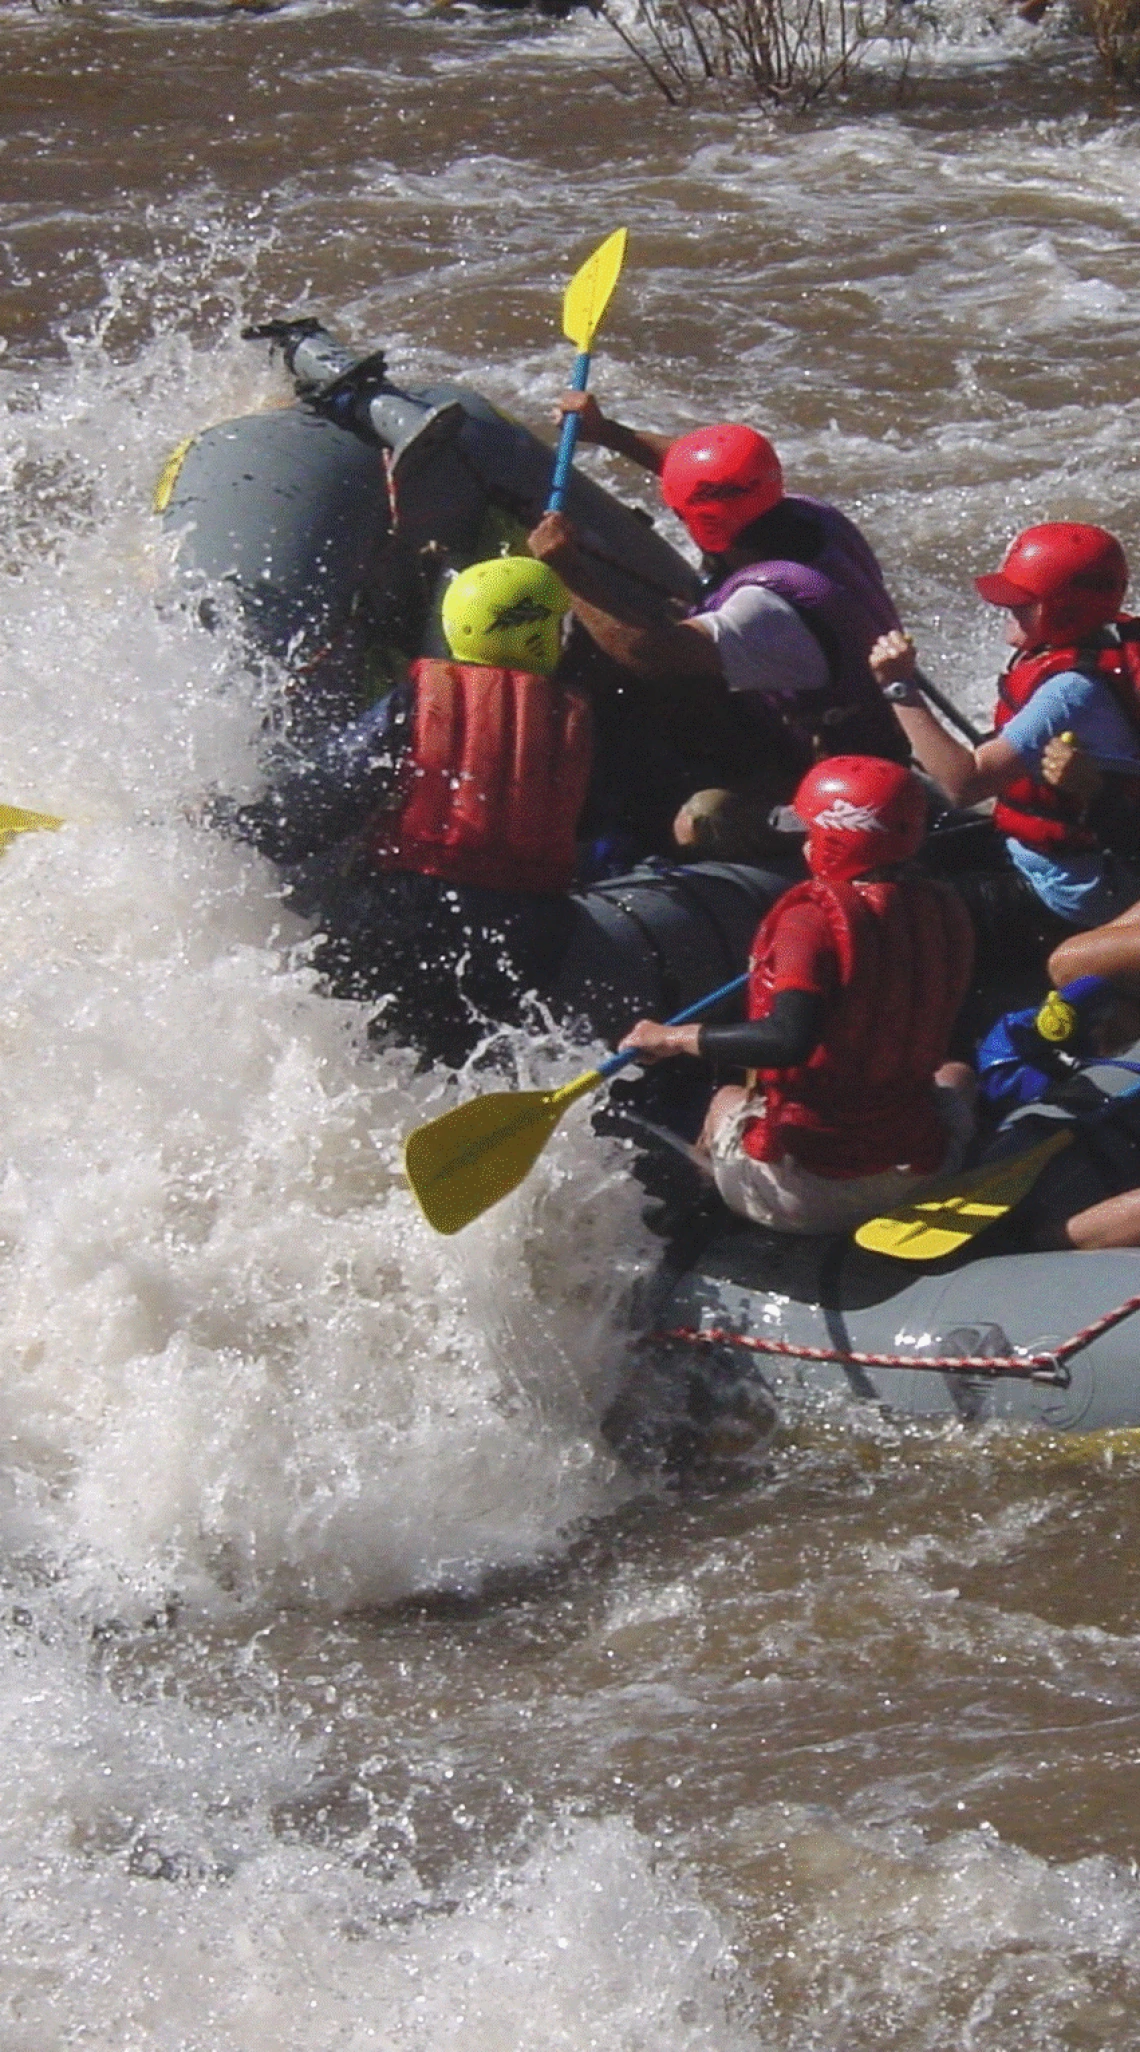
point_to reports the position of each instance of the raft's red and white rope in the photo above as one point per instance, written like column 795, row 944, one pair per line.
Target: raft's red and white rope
column 1039, row 1367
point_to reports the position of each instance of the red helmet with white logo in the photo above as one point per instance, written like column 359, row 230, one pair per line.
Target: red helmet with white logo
column 719, row 479
column 861, row 812
column 1076, row 573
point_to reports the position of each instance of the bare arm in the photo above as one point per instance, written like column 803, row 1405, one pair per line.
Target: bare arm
column 638, row 444
column 1112, row 951
column 651, row 648
column 964, row 775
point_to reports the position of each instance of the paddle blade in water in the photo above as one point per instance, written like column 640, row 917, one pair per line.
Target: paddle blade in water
column 943, row 1221
column 463, row 1162
column 14, row 820
column 588, row 293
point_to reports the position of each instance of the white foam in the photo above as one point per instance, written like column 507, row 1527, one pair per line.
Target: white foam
column 964, row 1940
column 155, row 1894
column 238, row 1361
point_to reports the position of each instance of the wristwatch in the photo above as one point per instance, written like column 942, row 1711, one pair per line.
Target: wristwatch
column 902, row 692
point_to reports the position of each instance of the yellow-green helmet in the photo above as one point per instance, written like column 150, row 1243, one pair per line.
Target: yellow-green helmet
column 506, row 613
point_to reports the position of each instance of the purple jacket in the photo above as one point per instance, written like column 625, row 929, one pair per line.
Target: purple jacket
column 841, row 597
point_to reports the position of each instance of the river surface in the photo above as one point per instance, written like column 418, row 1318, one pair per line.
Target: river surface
column 352, row 1693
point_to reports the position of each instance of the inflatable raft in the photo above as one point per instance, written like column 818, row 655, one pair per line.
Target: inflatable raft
column 321, row 526
column 325, row 524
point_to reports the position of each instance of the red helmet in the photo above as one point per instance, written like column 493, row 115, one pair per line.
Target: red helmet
column 719, row 479
column 860, row 812
column 1077, row 573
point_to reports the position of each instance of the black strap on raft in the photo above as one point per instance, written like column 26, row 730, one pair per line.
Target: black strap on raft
column 287, row 335
column 346, row 399
column 341, row 397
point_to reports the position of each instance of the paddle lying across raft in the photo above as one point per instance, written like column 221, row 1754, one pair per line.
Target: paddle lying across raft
column 946, row 1220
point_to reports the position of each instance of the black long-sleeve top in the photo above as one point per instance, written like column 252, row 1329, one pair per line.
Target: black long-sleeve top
column 786, row 1038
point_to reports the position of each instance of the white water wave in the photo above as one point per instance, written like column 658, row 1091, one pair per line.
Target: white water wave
column 239, row 1361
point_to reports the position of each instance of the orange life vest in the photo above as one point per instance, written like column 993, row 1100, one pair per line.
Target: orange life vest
column 494, row 780
column 1029, row 810
column 865, row 1100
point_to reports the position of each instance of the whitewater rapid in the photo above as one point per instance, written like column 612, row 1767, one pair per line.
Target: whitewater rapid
column 353, row 1694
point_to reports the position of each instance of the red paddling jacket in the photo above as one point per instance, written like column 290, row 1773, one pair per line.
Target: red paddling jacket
column 865, row 1100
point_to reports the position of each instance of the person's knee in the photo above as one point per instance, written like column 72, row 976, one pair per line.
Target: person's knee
column 723, row 1106
column 1113, row 1223
column 960, row 1078
column 1111, row 951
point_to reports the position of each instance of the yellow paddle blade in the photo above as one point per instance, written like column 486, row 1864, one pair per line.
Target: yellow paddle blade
column 14, row 820
column 588, row 293
column 168, row 476
column 944, row 1220
column 463, row 1162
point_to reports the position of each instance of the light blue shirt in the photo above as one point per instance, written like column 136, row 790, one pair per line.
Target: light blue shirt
column 1071, row 703
column 1089, row 887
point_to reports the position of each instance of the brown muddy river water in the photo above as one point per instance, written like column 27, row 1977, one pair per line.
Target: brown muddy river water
column 353, row 1694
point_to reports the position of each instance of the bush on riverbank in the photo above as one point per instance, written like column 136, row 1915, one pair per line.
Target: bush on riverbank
column 784, row 50
column 793, row 51
column 1115, row 28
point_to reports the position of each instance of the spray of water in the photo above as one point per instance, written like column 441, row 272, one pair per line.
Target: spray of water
column 239, row 1363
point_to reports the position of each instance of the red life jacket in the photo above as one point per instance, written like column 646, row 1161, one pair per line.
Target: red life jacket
column 493, row 782
column 865, row 1100
column 1031, row 811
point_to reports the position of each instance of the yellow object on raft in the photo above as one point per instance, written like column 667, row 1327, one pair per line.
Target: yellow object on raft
column 14, row 820
column 928, row 1228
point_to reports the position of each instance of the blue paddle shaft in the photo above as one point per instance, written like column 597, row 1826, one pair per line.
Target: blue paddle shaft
column 565, row 457
column 705, row 1004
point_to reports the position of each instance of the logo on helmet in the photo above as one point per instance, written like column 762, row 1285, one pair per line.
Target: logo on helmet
column 861, row 813
column 506, row 612
column 720, row 479
column 713, row 493
column 844, row 818
column 521, row 614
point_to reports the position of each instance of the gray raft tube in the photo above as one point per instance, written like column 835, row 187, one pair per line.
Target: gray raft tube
column 654, row 942
column 291, row 513
column 1061, row 1330
column 1076, row 1316
column 361, row 491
